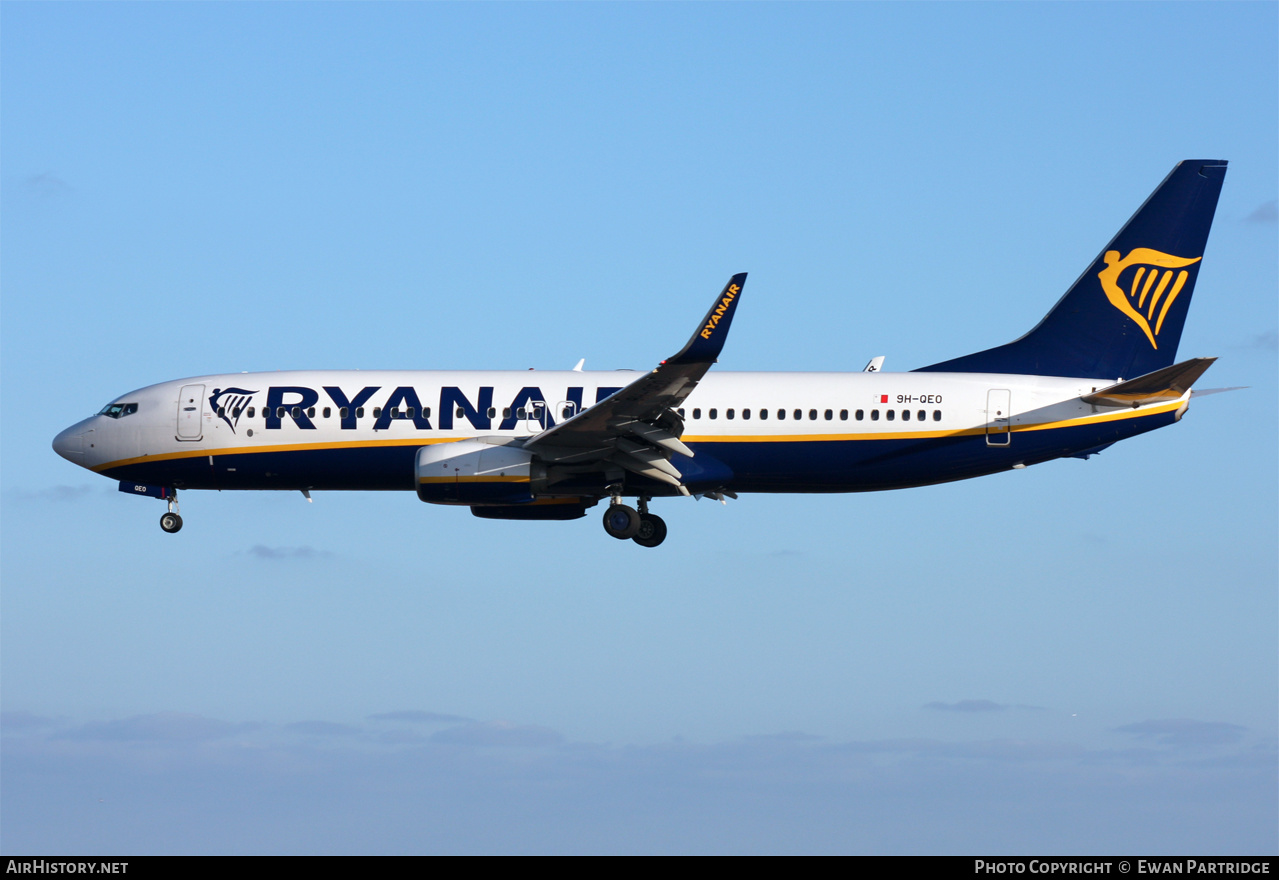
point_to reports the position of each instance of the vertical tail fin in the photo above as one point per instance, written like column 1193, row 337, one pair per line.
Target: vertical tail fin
column 1124, row 315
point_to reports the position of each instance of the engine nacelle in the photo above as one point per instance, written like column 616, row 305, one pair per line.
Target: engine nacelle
column 477, row 472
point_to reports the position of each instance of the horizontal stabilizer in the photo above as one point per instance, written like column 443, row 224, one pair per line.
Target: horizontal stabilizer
column 1160, row 386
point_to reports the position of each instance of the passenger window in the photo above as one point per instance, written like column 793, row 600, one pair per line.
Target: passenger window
column 697, row 412
column 714, row 413
column 892, row 414
column 829, row 415
column 235, row 413
column 310, row 412
column 936, row 415
column 410, row 411
column 859, row 415
column 812, row 415
column 492, row 412
column 506, row 412
column 781, row 415
column 359, row 412
column 426, row 412
column 328, row 411
column 342, row 413
column 297, row 412
column 377, row 412
column 729, row 414
column 763, row 414
column 461, row 413
column 222, row 412
column 250, row 413
column 681, row 412
column 905, row 415
column 799, row 414
column 746, row 414
column 874, row 415
column 521, row 413
column 279, row 412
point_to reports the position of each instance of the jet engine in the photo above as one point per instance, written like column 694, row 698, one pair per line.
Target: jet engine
column 478, row 472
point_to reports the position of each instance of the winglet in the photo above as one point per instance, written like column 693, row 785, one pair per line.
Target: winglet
column 708, row 341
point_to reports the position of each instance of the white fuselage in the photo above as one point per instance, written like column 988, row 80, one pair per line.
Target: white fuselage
column 339, row 429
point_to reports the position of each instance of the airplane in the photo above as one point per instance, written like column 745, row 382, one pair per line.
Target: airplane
column 547, row 445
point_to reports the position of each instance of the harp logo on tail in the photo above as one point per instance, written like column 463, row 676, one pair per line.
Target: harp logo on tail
column 1146, row 293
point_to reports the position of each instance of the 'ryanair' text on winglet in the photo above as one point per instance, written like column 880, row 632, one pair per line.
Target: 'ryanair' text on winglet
column 708, row 341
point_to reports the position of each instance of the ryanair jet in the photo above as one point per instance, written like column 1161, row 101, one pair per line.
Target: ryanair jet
column 1100, row 367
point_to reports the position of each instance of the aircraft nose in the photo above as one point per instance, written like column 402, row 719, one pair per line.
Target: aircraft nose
column 70, row 443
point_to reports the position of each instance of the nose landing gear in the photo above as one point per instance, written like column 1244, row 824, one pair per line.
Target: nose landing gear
column 171, row 521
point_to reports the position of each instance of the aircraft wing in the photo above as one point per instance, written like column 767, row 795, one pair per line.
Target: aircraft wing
column 637, row 428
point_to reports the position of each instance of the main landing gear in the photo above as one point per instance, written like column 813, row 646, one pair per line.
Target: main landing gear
column 171, row 522
column 644, row 528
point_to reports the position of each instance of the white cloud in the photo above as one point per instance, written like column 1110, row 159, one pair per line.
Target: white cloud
column 178, row 783
column 1186, row 732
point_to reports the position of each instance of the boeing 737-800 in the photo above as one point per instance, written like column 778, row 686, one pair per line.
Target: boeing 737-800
column 1100, row 367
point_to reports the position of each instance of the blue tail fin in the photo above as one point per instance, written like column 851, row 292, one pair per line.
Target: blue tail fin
column 1124, row 315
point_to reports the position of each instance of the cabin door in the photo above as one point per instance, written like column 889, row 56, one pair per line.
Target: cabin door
column 998, row 417
column 191, row 412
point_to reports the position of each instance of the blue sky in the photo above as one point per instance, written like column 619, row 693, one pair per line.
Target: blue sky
column 1078, row 657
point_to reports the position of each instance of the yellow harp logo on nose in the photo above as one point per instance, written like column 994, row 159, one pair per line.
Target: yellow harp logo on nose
column 1148, row 296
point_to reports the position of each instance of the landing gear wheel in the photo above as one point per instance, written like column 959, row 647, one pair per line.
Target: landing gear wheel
column 622, row 522
column 652, row 530
column 171, row 522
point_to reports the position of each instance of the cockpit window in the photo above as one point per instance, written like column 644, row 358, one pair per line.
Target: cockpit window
column 118, row 410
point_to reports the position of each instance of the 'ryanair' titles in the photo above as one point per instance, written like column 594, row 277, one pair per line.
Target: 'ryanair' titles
column 296, row 404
